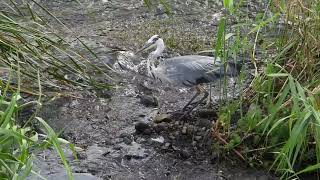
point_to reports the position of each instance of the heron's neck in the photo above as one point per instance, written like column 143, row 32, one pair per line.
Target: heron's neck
column 159, row 50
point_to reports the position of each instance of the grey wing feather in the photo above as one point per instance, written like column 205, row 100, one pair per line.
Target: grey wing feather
column 191, row 70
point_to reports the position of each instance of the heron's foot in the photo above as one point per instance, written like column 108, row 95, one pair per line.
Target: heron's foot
column 186, row 115
column 181, row 114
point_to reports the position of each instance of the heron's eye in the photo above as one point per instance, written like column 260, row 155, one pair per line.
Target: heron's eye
column 155, row 39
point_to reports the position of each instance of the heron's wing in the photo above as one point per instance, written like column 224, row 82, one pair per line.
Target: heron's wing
column 190, row 70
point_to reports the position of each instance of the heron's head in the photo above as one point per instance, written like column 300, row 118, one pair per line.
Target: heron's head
column 154, row 41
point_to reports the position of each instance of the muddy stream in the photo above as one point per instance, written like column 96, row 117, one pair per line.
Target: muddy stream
column 124, row 133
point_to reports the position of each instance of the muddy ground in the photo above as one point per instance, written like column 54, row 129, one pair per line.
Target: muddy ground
column 115, row 131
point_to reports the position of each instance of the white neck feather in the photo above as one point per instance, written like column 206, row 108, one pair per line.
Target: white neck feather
column 160, row 48
column 154, row 55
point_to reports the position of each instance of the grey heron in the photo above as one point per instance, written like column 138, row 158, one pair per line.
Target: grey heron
column 188, row 71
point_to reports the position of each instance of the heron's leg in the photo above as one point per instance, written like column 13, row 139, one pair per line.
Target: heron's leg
column 206, row 94
column 198, row 88
column 209, row 100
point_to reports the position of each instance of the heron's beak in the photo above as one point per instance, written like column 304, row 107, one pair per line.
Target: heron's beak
column 147, row 46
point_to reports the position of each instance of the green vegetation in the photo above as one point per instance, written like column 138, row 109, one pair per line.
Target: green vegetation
column 29, row 43
column 18, row 143
column 34, row 59
column 283, row 119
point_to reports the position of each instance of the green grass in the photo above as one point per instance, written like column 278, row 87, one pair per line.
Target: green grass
column 18, row 143
column 28, row 42
column 283, row 118
column 34, row 59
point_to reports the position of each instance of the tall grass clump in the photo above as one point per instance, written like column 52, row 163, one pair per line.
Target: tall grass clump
column 34, row 55
column 282, row 121
column 19, row 142
column 29, row 42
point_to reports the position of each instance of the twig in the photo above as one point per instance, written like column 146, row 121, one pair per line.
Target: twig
column 217, row 135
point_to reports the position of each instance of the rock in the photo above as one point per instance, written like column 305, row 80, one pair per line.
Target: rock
column 149, row 101
column 205, row 113
column 162, row 118
column 134, row 151
column 184, row 154
column 166, row 146
column 161, row 127
column 172, row 137
column 204, row 123
column 147, row 132
column 141, row 127
column 184, row 130
column 190, row 129
column 197, row 138
column 176, row 134
column 127, row 140
column 194, row 143
column 214, row 157
column 160, row 140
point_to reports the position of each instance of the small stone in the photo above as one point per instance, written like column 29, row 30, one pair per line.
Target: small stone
column 158, row 140
column 184, row 154
column 203, row 129
column 188, row 163
column 207, row 113
column 190, row 129
column 147, row 132
column 172, row 137
column 149, row 101
column 194, row 143
column 160, row 127
column 214, row 157
column 127, row 140
column 166, row 146
column 204, row 123
column 176, row 134
column 198, row 138
column 177, row 123
column 184, row 130
column 141, row 126
column 162, row 118
column 117, row 147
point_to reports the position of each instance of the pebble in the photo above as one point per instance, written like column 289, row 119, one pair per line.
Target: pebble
column 127, row 140
column 162, row 118
column 184, row 154
column 149, row 101
column 207, row 113
column 190, row 129
column 184, row 130
column 204, row 123
column 166, row 146
column 141, row 127
column 172, row 137
column 194, row 143
column 198, row 138
column 147, row 132
column 160, row 127
column 158, row 140
column 214, row 157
